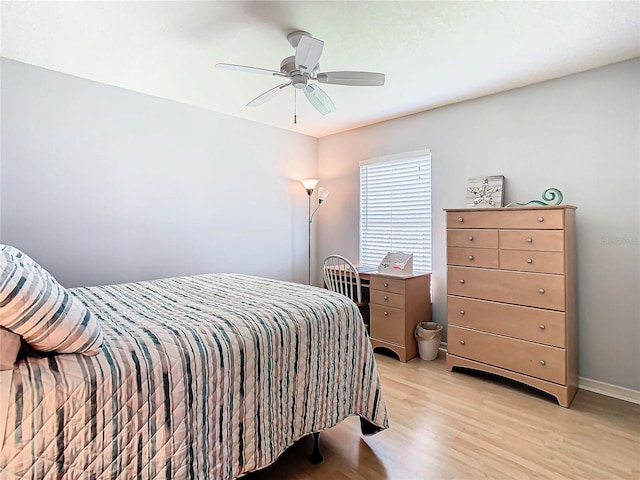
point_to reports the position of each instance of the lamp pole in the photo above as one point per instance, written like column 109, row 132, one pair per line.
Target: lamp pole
column 310, row 186
column 310, row 192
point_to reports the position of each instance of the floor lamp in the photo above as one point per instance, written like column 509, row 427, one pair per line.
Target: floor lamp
column 310, row 185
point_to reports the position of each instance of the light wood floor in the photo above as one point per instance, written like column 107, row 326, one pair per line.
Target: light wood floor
column 452, row 425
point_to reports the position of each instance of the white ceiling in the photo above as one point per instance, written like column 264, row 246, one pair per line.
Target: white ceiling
column 433, row 52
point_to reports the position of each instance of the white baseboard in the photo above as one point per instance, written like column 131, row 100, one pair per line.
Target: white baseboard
column 609, row 390
column 621, row 393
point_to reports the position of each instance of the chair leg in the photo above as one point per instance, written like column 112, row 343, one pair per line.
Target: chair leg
column 364, row 311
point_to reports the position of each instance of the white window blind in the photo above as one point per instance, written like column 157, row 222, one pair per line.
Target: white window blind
column 395, row 208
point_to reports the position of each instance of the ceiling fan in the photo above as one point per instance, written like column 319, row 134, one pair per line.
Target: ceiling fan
column 303, row 68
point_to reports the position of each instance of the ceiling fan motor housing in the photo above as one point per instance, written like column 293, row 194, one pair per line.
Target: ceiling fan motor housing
column 288, row 67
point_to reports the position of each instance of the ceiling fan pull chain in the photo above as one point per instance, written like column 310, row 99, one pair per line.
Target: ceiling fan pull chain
column 295, row 106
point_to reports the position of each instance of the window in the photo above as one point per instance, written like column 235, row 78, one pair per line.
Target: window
column 395, row 208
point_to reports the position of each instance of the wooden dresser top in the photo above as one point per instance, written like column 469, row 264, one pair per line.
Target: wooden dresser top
column 498, row 209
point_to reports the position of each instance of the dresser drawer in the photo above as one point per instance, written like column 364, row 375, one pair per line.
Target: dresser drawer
column 387, row 323
column 472, row 238
column 522, row 218
column 532, row 261
column 387, row 298
column 543, row 240
column 473, row 257
column 386, row 284
column 540, row 361
column 519, row 288
column 525, row 323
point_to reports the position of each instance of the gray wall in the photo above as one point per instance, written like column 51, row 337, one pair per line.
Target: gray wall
column 104, row 185
column 579, row 134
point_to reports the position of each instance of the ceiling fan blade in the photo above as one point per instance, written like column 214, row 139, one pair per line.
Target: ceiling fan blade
column 269, row 94
column 319, row 99
column 308, row 53
column 366, row 79
column 243, row 68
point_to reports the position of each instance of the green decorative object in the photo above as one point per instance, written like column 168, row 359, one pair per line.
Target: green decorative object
column 549, row 195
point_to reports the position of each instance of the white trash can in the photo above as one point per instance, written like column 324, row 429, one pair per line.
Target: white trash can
column 428, row 335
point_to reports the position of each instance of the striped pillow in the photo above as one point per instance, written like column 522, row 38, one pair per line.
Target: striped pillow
column 10, row 343
column 44, row 313
column 19, row 256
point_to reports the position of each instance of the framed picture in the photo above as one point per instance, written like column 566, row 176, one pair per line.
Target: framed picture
column 485, row 192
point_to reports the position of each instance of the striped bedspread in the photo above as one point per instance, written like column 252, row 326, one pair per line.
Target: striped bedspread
column 201, row 377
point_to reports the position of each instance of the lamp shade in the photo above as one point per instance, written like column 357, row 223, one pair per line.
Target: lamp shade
column 310, row 184
column 323, row 193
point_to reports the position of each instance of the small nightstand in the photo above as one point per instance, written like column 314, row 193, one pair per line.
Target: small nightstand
column 397, row 305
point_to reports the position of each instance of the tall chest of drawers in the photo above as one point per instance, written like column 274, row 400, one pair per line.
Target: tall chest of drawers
column 512, row 296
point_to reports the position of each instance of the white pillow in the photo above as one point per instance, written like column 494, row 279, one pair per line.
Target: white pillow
column 44, row 313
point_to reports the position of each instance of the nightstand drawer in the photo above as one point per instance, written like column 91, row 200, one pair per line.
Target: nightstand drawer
column 540, row 361
column 522, row 218
column 473, row 257
column 472, row 238
column 542, row 240
column 387, row 323
column 531, row 261
column 386, row 299
column 386, row 284
column 525, row 323
column 519, row 288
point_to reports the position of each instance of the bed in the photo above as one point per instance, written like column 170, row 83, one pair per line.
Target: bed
column 199, row 377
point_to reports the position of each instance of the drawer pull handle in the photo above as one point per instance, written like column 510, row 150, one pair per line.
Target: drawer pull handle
column 542, row 327
column 461, row 312
column 470, row 239
column 541, row 290
column 386, row 313
column 541, row 219
column 461, row 342
column 529, row 260
column 386, row 284
column 462, row 280
column 470, row 257
column 460, row 219
column 386, row 298
column 529, row 240
column 542, row 362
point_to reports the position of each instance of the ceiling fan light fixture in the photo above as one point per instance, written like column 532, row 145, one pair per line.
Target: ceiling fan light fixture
column 299, row 81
